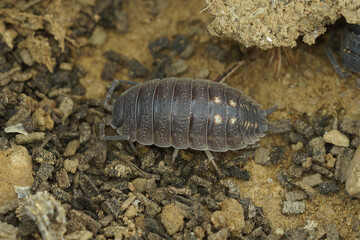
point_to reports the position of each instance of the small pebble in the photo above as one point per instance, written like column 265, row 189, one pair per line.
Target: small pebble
column 317, row 148
column 98, row 36
column 30, row 138
column 159, row 44
column 352, row 185
column 115, row 57
column 299, row 158
column 262, row 156
column 277, row 154
column 117, row 169
column 350, row 126
column 279, row 231
column 179, row 44
column 71, row 165
column 322, row 170
column 312, row 180
column 199, row 232
column 43, row 120
column 239, row 173
column 307, row 164
column 222, row 234
column 122, row 23
column 62, row 179
column 71, row 148
column 15, row 170
column 304, row 129
column 66, row 66
column 343, row 162
column 216, row 52
column 330, row 160
column 188, row 51
column 202, row 73
column 26, row 57
column 328, row 187
column 137, row 70
column 296, row 195
column 177, row 68
column 332, row 232
column 109, row 71
column 172, row 219
column 66, row 107
column 285, row 180
column 291, row 208
column 337, row 138
column 140, row 184
column 231, row 216
column 297, row 146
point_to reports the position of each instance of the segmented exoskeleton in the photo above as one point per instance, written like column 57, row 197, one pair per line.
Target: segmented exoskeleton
column 187, row 113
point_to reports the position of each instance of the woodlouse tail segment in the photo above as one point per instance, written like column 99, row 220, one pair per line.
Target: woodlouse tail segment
column 265, row 127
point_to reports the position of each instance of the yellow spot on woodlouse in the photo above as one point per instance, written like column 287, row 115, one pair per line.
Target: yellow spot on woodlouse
column 217, row 100
column 233, row 120
column 217, row 119
column 232, row 103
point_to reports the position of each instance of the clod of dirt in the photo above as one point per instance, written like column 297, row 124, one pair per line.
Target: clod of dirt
column 8, row 231
column 172, row 219
column 231, row 217
column 15, row 170
column 43, row 120
column 268, row 24
column 46, row 212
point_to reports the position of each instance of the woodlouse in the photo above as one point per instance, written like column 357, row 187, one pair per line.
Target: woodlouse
column 186, row 113
column 349, row 50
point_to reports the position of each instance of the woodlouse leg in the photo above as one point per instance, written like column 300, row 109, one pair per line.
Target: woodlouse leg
column 223, row 76
column 132, row 146
column 109, row 138
column 212, row 160
column 175, row 153
column 115, row 83
column 332, row 59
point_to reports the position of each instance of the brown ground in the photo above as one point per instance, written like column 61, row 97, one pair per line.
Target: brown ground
column 303, row 89
column 299, row 90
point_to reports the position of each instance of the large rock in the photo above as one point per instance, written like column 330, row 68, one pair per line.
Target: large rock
column 15, row 170
column 353, row 177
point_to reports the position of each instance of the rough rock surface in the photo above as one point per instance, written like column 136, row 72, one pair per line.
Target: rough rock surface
column 353, row 177
column 172, row 219
column 268, row 24
column 231, row 216
column 15, row 170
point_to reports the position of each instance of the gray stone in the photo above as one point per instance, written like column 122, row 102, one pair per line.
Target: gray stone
column 262, row 156
column 337, row 138
column 290, row 208
column 343, row 164
column 332, row 232
column 353, row 177
column 313, row 180
column 317, row 148
column 296, row 195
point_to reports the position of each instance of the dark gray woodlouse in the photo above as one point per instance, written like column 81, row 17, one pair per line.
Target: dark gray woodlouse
column 349, row 50
column 186, row 113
